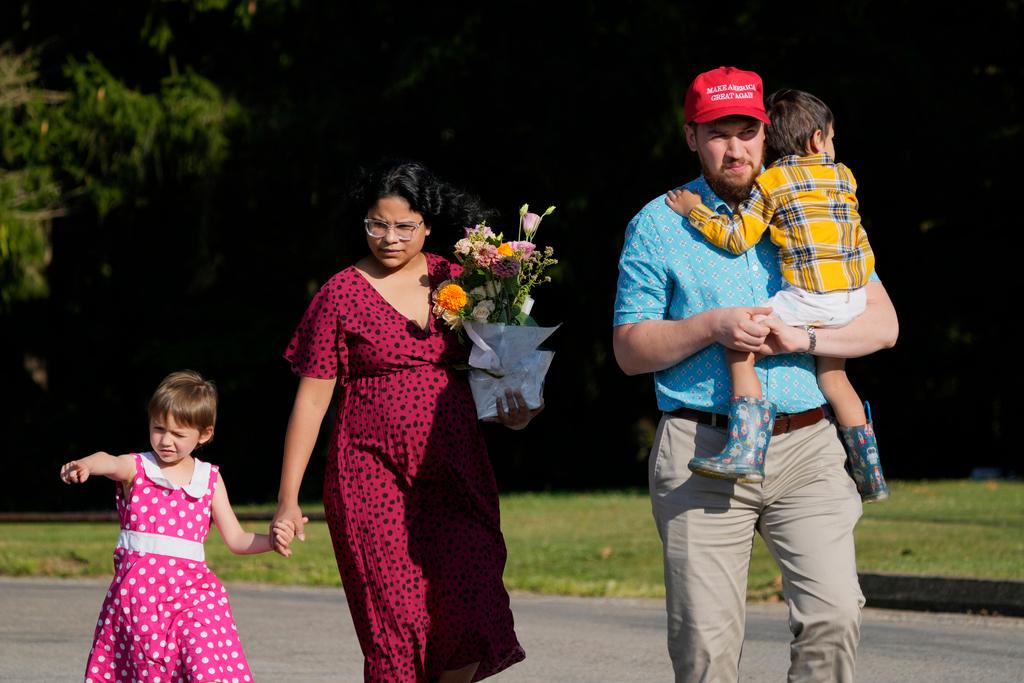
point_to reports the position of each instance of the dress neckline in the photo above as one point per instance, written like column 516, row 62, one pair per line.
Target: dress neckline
column 430, row 313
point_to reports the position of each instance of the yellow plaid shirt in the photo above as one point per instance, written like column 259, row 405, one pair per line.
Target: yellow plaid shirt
column 809, row 205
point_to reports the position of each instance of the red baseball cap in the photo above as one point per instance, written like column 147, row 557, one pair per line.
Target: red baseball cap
column 725, row 91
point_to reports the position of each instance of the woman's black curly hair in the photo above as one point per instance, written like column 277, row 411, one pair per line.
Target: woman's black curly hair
column 445, row 208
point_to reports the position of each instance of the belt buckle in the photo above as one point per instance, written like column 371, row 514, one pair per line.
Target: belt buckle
column 783, row 427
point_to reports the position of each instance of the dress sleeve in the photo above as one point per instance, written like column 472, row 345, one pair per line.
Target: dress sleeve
column 317, row 348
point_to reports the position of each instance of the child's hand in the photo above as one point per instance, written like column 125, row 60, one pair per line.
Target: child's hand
column 282, row 533
column 75, row 472
column 682, row 201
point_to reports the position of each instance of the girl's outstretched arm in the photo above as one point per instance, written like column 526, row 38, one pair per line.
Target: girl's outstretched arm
column 117, row 467
column 237, row 539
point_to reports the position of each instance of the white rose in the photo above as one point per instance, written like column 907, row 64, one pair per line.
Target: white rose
column 483, row 310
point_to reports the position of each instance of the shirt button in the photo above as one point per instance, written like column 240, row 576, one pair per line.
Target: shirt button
column 754, row 268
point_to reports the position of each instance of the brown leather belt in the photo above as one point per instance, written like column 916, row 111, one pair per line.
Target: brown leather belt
column 784, row 422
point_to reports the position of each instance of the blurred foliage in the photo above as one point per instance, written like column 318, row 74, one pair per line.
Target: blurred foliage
column 29, row 197
column 199, row 151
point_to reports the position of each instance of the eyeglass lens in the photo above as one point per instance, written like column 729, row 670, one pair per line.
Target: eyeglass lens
column 378, row 229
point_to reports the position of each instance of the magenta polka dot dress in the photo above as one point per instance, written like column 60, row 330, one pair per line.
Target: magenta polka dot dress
column 166, row 617
column 409, row 493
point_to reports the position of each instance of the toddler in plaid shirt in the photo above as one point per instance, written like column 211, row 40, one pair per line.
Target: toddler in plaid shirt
column 807, row 202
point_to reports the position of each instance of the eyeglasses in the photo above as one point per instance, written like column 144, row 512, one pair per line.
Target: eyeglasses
column 403, row 231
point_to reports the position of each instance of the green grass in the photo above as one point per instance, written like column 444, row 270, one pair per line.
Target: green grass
column 605, row 544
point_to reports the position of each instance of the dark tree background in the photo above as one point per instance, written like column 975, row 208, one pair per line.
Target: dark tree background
column 181, row 167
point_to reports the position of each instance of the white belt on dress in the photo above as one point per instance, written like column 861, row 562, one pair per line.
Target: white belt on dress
column 140, row 541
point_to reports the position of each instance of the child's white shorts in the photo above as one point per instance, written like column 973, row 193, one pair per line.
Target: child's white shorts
column 796, row 306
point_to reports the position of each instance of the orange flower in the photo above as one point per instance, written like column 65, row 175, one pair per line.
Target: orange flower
column 505, row 249
column 451, row 298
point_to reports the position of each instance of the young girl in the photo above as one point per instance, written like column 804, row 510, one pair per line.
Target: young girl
column 807, row 202
column 166, row 616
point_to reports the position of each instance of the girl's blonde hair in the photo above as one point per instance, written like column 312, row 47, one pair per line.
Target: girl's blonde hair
column 188, row 398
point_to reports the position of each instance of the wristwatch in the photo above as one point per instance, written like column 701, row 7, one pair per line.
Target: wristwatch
column 812, row 337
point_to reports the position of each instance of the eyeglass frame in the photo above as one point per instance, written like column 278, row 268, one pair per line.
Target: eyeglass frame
column 392, row 226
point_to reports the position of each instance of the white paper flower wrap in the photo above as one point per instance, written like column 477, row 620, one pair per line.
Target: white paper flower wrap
column 506, row 357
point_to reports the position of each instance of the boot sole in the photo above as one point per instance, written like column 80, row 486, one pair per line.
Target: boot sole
column 738, row 477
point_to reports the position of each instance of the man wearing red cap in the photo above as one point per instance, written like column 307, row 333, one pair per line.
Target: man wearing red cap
column 680, row 303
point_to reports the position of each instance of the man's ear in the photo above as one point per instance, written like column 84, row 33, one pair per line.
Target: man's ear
column 691, row 135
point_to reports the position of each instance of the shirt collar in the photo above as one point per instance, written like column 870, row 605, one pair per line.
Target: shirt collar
column 195, row 488
column 823, row 159
column 708, row 196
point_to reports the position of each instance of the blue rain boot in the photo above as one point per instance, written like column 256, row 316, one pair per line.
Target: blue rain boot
column 862, row 461
column 750, row 430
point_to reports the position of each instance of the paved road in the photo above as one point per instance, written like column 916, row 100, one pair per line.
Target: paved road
column 304, row 635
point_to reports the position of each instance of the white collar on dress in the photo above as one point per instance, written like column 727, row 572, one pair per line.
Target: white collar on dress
column 195, row 488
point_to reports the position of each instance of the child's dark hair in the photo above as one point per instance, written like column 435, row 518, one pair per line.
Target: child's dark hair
column 795, row 116
column 445, row 208
column 188, row 398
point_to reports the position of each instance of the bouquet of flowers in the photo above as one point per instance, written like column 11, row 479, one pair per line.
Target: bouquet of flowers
column 490, row 301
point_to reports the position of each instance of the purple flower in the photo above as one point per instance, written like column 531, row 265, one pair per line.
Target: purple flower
column 480, row 230
column 505, row 267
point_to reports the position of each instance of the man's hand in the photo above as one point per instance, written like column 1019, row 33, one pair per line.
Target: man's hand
column 741, row 328
column 784, row 338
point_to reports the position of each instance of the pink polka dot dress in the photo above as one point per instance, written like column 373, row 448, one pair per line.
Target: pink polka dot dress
column 409, row 493
column 166, row 617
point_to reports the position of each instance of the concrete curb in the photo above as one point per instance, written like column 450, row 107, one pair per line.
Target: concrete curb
column 944, row 594
column 892, row 591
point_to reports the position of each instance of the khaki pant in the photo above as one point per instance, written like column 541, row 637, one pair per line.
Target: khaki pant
column 805, row 509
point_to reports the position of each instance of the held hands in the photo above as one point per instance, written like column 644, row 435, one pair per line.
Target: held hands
column 682, row 201
column 288, row 524
column 281, row 534
column 784, row 338
column 518, row 414
column 742, row 328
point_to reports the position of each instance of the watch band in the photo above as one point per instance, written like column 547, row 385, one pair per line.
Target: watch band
column 812, row 337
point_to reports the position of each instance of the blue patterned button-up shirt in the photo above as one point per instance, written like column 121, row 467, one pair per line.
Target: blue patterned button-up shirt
column 668, row 271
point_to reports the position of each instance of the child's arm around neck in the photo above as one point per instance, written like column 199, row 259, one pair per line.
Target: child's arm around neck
column 117, row 467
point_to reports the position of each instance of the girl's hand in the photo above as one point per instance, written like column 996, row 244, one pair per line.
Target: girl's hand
column 290, row 515
column 281, row 534
column 75, row 472
column 518, row 414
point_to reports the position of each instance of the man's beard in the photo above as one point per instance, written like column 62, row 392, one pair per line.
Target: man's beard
column 730, row 191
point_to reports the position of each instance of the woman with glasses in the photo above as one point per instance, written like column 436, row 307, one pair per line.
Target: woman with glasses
column 409, row 493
